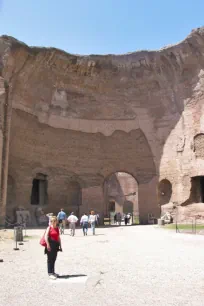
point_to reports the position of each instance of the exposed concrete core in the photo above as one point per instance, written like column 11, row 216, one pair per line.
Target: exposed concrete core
column 79, row 119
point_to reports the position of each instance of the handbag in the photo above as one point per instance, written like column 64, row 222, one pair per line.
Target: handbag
column 42, row 240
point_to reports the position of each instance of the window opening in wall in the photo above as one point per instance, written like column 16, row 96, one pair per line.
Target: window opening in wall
column 197, row 189
column 164, row 192
column 39, row 190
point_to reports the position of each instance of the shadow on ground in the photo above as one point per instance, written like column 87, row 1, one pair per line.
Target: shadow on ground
column 71, row 276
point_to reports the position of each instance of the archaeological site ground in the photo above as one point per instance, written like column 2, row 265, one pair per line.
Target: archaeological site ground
column 118, row 133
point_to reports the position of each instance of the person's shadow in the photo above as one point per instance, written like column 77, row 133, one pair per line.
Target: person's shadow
column 71, row 276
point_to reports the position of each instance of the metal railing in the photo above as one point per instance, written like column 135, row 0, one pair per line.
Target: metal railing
column 190, row 226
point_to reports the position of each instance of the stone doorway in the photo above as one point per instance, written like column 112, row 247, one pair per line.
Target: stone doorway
column 39, row 190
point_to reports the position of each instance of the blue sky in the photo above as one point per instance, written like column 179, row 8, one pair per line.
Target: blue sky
column 100, row 27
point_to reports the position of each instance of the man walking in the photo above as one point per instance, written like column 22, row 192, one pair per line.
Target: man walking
column 84, row 223
column 119, row 218
column 92, row 221
column 61, row 217
column 72, row 219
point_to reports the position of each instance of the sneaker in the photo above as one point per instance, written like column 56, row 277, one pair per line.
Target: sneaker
column 56, row 275
column 52, row 276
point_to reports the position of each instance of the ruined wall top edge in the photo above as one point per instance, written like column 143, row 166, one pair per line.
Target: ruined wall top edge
column 196, row 34
column 15, row 42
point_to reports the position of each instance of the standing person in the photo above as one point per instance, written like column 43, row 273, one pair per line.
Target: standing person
column 84, row 222
column 72, row 219
column 129, row 217
column 115, row 218
column 61, row 217
column 92, row 221
column 53, row 242
column 126, row 219
column 119, row 218
column 50, row 215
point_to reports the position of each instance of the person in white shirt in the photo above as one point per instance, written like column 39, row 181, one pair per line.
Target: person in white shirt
column 50, row 215
column 72, row 219
column 84, row 223
column 92, row 221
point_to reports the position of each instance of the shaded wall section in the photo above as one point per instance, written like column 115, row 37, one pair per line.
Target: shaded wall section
column 73, row 162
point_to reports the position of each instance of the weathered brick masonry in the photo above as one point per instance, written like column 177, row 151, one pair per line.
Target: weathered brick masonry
column 78, row 119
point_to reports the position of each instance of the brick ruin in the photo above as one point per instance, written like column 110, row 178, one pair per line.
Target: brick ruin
column 84, row 132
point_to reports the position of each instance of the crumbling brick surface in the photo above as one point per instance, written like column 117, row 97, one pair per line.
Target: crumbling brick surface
column 81, row 118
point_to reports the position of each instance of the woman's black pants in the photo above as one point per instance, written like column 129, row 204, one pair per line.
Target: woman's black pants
column 51, row 258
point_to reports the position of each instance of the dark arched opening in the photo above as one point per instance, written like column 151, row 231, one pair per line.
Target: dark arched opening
column 164, row 192
column 39, row 195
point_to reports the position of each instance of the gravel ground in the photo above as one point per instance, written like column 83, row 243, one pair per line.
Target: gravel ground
column 141, row 265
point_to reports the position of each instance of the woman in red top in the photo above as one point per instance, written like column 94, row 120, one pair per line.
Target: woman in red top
column 52, row 238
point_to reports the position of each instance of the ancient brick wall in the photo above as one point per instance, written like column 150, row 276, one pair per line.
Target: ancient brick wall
column 81, row 119
column 66, row 156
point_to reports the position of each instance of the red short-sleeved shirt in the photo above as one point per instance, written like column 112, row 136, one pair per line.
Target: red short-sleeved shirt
column 54, row 233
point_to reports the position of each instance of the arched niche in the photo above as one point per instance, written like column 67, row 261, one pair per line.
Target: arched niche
column 164, row 191
column 39, row 194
